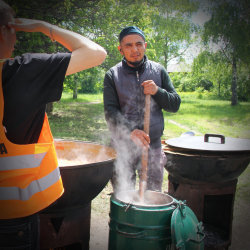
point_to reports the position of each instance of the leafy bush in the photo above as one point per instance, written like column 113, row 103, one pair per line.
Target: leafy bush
column 206, row 84
column 183, row 81
column 87, row 81
column 213, row 85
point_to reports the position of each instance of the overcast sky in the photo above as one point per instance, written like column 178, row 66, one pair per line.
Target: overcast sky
column 200, row 17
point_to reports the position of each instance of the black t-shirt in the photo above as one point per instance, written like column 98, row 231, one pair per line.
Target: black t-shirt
column 30, row 82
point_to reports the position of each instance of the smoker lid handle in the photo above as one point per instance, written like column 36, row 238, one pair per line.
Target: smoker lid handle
column 222, row 137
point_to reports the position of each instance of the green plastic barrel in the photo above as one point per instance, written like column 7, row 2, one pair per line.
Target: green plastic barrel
column 140, row 226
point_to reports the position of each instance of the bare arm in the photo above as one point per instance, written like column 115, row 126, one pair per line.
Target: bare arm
column 85, row 53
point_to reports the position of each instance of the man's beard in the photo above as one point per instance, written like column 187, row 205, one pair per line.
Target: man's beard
column 135, row 64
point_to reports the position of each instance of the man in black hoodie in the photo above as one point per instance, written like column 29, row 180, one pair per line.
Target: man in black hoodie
column 125, row 87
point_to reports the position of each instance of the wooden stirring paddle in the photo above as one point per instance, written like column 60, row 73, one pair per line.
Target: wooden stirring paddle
column 143, row 176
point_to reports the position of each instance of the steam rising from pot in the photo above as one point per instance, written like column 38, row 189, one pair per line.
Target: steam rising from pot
column 128, row 158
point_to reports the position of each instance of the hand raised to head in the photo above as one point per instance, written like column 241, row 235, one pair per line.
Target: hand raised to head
column 27, row 25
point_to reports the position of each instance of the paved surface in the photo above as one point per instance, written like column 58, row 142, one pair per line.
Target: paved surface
column 99, row 232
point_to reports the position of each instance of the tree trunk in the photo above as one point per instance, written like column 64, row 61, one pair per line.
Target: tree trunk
column 219, row 88
column 166, row 54
column 49, row 107
column 75, row 90
column 75, row 93
column 234, row 100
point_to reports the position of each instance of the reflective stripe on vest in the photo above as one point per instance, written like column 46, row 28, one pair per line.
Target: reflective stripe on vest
column 30, row 178
column 21, row 162
column 24, row 194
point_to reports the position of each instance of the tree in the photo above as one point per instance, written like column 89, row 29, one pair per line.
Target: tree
column 100, row 20
column 74, row 15
column 229, row 27
column 111, row 16
column 167, row 26
column 172, row 29
column 210, row 67
column 70, row 14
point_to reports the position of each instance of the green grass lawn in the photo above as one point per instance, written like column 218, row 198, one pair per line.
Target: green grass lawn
column 209, row 116
column 79, row 119
column 83, row 119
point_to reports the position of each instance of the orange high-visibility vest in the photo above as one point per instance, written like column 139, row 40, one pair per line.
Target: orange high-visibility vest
column 30, row 179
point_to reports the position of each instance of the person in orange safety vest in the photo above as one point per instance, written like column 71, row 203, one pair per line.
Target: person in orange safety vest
column 29, row 174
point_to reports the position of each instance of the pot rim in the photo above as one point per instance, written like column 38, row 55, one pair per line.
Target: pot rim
column 91, row 164
column 114, row 196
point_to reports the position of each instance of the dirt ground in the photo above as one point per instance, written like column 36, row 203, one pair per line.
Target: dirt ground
column 99, row 231
column 240, row 241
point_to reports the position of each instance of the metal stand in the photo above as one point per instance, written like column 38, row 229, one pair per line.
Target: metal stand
column 70, row 230
column 212, row 204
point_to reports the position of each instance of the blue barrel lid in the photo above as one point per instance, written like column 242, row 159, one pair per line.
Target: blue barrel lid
column 186, row 231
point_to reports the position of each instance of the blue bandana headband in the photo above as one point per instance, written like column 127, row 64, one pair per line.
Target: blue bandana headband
column 131, row 30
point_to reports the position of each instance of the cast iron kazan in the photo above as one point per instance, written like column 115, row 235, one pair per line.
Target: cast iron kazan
column 212, row 158
column 82, row 183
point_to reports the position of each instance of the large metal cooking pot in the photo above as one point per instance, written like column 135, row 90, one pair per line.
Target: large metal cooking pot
column 82, row 183
column 212, row 158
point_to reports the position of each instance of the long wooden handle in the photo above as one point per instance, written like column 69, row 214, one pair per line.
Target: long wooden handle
column 146, row 130
column 143, row 177
column 147, row 114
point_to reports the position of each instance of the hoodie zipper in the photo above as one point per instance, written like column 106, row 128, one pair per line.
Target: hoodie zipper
column 139, row 96
column 137, row 75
